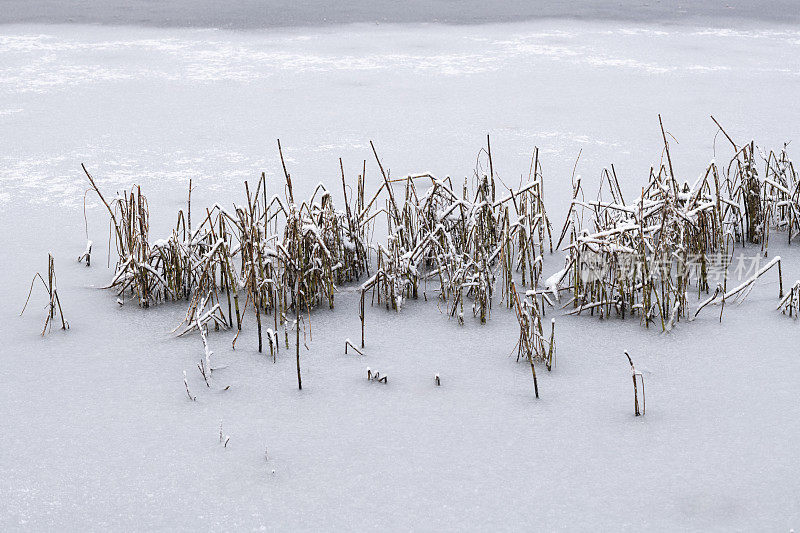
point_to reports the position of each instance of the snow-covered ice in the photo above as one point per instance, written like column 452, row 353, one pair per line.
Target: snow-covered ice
column 98, row 432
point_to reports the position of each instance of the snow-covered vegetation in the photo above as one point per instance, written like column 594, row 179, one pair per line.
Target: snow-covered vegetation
column 284, row 257
column 202, row 382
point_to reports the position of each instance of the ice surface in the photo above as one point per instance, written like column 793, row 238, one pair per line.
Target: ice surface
column 98, row 431
column 276, row 13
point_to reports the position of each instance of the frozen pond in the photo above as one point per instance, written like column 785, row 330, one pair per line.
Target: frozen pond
column 159, row 106
column 97, row 430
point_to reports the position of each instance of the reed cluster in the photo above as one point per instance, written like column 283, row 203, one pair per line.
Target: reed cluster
column 279, row 256
column 462, row 239
column 642, row 256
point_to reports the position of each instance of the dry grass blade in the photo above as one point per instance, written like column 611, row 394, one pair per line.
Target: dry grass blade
column 54, row 302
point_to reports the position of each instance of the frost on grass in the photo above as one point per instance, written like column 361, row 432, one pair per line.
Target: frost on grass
column 640, row 257
column 281, row 257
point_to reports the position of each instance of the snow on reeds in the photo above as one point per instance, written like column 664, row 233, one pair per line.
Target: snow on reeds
column 280, row 256
column 639, row 257
column 462, row 238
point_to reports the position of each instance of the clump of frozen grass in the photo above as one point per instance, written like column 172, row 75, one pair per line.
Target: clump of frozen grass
column 641, row 257
column 287, row 256
column 54, row 302
column 463, row 238
column 769, row 200
column 280, row 257
column 634, row 260
column 781, row 195
column 532, row 345
column 130, row 225
column 284, row 256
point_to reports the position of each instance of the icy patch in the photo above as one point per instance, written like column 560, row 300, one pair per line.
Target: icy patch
column 7, row 112
column 162, row 106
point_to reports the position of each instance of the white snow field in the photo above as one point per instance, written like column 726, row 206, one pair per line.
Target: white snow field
column 97, row 430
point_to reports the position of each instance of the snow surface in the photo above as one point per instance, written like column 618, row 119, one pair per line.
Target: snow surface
column 98, row 431
column 272, row 13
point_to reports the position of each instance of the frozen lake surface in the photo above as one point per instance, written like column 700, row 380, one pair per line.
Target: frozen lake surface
column 98, row 432
column 276, row 13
